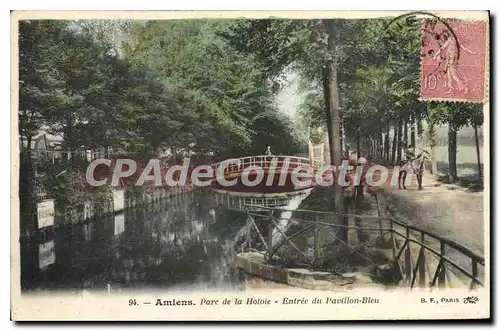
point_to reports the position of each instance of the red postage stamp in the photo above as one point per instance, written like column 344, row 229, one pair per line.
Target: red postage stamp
column 454, row 61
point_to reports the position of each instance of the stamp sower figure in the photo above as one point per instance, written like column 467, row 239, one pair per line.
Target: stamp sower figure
column 448, row 52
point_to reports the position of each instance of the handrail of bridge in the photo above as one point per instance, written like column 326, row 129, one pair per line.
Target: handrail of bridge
column 407, row 269
column 264, row 161
column 253, row 203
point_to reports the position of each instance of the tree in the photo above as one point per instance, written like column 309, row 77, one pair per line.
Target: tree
column 38, row 43
column 431, row 137
column 456, row 116
column 146, row 87
column 230, row 90
column 476, row 120
column 318, row 50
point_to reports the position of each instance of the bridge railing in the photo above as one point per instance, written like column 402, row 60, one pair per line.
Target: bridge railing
column 263, row 161
column 450, row 258
column 249, row 203
column 419, row 258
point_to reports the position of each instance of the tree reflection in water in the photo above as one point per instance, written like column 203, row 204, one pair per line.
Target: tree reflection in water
column 183, row 244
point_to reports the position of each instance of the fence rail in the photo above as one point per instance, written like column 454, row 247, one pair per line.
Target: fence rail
column 420, row 257
column 250, row 203
column 263, row 161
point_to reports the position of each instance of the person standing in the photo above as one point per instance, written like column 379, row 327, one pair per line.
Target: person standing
column 362, row 160
column 268, row 154
column 406, row 165
column 419, row 168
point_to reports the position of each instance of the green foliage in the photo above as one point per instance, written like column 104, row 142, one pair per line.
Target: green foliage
column 311, row 109
column 229, row 91
column 143, row 87
column 68, row 186
column 139, row 89
column 378, row 66
column 317, row 136
column 37, row 43
column 209, row 86
column 431, row 132
column 456, row 115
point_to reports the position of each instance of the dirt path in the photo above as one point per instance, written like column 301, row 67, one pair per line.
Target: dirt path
column 446, row 210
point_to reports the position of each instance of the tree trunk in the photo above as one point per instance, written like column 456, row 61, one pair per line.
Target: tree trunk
column 405, row 134
column 335, row 146
column 394, row 145
column 28, row 148
column 479, row 173
column 434, row 166
column 27, row 192
column 412, row 134
column 399, row 142
column 432, row 143
column 69, row 136
column 174, row 152
column 387, row 143
column 420, row 128
column 374, row 145
column 358, row 151
column 326, row 96
column 380, row 143
column 452, row 154
column 342, row 137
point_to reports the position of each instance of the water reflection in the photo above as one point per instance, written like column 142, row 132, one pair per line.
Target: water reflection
column 88, row 228
column 286, row 215
column 119, row 224
column 46, row 254
column 186, row 243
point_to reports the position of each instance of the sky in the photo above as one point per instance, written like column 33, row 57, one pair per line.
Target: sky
column 288, row 98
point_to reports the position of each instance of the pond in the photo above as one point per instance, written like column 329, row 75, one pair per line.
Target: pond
column 183, row 243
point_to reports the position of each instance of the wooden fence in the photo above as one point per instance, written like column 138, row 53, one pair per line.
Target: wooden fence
column 420, row 257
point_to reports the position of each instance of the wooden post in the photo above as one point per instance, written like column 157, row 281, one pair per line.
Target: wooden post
column 315, row 247
column 270, row 236
column 408, row 256
column 358, row 147
column 249, row 232
column 478, row 154
column 421, row 267
column 442, row 271
column 474, row 273
column 382, row 209
column 353, row 234
column 393, row 242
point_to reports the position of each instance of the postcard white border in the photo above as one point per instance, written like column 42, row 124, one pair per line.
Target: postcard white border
column 396, row 304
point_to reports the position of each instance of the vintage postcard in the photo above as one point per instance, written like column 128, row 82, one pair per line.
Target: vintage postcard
column 248, row 166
